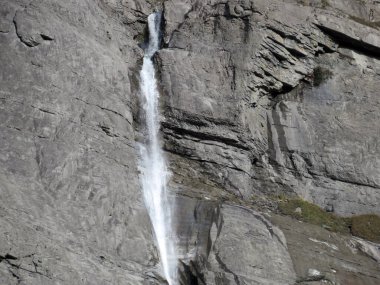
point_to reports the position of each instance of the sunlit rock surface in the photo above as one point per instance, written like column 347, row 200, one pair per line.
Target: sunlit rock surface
column 258, row 98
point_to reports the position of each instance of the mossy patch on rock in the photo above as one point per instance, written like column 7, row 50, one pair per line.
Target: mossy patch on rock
column 375, row 25
column 367, row 227
column 321, row 75
column 310, row 213
column 320, row 4
column 325, row 3
column 363, row 226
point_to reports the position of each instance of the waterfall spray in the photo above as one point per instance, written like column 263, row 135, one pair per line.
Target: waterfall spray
column 154, row 172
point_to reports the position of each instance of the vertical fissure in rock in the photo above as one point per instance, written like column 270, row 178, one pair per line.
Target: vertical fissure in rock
column 154, row 172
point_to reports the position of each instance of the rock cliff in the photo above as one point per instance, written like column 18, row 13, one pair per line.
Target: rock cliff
column 259, row 99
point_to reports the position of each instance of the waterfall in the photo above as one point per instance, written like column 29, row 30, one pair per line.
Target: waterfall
column 154, row 173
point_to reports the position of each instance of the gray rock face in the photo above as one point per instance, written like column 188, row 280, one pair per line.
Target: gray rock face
column 71, row 209
column 264, row 98
column 247, row 249
column 323, row 257
column 230, row 244
column 258, row 98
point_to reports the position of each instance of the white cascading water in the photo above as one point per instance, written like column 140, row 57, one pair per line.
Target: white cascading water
column 154, row 173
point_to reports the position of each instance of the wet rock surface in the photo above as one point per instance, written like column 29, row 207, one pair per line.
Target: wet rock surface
column 258, row 98
column 230, row 244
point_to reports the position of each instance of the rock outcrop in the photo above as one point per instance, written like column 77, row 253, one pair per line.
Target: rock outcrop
column 258, row 97
column 264, row 96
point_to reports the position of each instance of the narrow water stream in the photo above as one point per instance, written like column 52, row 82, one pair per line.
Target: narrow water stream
column 154, row 172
